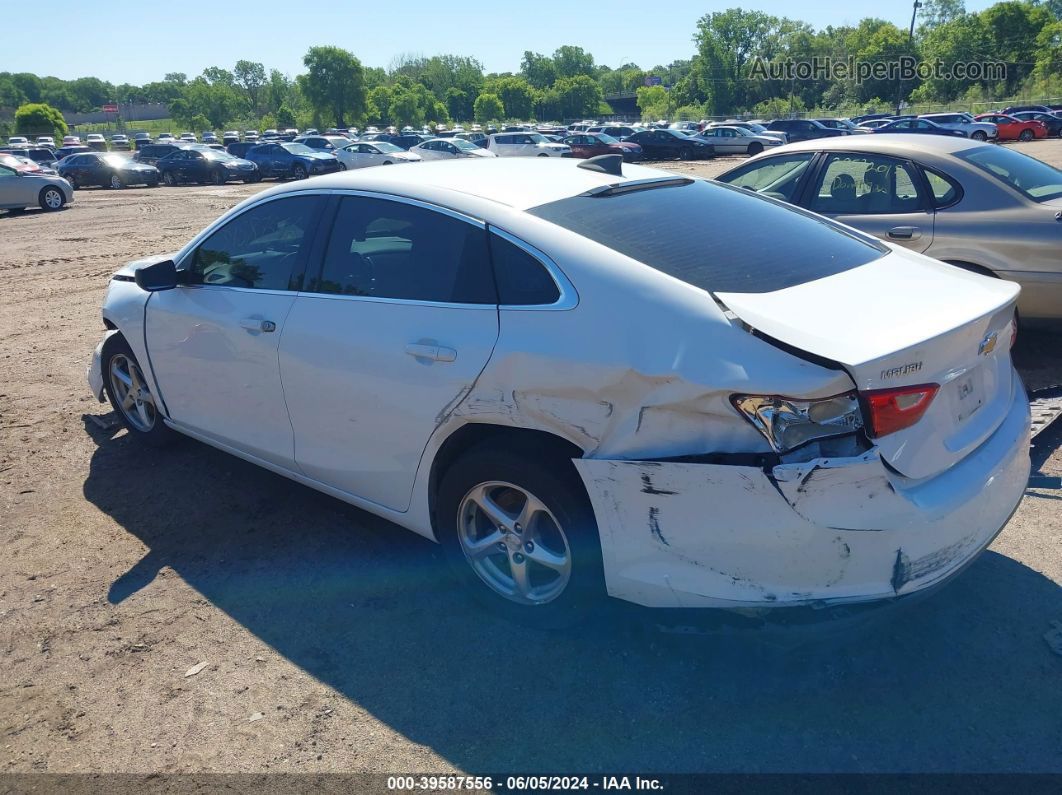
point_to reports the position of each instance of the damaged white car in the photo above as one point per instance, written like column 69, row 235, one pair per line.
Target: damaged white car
column 583, row 381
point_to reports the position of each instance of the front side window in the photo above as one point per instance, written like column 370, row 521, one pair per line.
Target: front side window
column 777, row 177
column 865, row 185
column 263, row 248
column 388, row 249
column 686, row 230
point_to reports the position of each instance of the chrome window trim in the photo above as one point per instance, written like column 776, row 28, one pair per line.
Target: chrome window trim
column 568, row 298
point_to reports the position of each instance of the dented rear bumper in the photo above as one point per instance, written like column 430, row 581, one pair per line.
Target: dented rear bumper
column 826, row 531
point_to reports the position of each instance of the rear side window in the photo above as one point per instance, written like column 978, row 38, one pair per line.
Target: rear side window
column 945, row 190
column 388, row 249
column 777, row 177
column 522, row 280
column 690, row 231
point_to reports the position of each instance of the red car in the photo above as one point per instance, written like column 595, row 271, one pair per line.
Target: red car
column 593, row 144
column 1011, row 129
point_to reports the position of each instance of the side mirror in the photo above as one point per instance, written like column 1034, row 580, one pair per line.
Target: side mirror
column 155, row 277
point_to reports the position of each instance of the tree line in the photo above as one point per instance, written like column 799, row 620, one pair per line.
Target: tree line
column 717, row 79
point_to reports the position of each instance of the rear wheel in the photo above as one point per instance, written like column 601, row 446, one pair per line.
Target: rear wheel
column 686, row 153
column 519, row 531
column 51, row 199
column 72, row 179
column 116, row 182
column 129, row 394
column 217, row 177
column 1026, row 135
column 299, row 171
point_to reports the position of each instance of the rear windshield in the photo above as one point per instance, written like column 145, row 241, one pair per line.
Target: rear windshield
column 715, row 237
column 1034, row 178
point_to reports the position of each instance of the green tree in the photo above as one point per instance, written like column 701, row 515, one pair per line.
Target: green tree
column 571, row 61
column 334, row 83
column 38, row 118
column 458, row 104
column 11, row 95
column 934, row 13
column 538, row 69
column 251, row 77
column 653, row 102
column 516, row 94
column 488, row 107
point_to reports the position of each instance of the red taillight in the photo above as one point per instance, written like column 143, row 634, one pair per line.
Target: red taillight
column 891, row 410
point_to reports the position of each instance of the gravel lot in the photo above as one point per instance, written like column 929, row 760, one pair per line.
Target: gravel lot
column 331, row 643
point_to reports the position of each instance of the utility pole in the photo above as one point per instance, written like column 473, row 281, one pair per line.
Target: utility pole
column 910, row 44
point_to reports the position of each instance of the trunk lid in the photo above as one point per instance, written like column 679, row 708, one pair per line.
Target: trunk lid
column 903, row 320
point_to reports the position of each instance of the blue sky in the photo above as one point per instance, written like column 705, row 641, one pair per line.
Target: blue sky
column 133, row 46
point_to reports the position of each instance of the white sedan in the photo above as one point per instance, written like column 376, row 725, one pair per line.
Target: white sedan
column 449, row 148
column 373, row 153
column 737, row 140
column 581, row 380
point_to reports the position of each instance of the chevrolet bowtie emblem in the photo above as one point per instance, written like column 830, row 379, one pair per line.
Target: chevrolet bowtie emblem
column 988, row 344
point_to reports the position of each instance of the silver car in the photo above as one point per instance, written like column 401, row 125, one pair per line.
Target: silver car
column 729, row 140
column 21, row 188
column 965, row 123
column 985, row 208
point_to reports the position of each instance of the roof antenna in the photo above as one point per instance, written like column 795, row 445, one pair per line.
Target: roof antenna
column 604, row 164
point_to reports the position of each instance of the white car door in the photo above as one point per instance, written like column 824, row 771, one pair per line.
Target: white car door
column 398, row 324
column 429, row 150
column 213, row 340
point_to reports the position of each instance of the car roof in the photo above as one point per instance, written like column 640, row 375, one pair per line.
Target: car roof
column 517, row 182
column 898, row 144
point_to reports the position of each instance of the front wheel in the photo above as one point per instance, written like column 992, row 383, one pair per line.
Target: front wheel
column 299, row 171
column 129, row 393
column 1026, row 135
column 217, row 177
column 755, row 148
column 519, row 531
column 116, row 182
column 52, row 199
column 685, row 153
column 979, row 135
column 342, row 166
column 169, row 179
column 72, row 179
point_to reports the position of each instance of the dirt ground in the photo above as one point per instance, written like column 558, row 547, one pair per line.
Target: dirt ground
column 187, row 611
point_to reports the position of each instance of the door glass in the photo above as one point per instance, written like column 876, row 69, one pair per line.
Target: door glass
column 945, row 191
column 262, row 248
column 388, row 249
column 522, row 279
column 777, row 177
column 865, row 185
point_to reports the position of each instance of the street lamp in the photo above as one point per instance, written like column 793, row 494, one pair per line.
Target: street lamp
column 910, row 42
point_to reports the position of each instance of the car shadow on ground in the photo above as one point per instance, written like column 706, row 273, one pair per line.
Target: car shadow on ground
column 962, row 681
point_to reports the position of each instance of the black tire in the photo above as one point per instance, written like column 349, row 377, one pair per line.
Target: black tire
column 342, row 166
column 217, row 177
column 1026, row 135
column 51, row 199
column 552, row 479
column 72, row 179
column 299, row 171
column 157, row 432
column 16, row 210
column 686, row 153
column 543, row 155
column 754, row 148
column 979, row 135
column 386, row 163
column 153, row 184
column 169, row 179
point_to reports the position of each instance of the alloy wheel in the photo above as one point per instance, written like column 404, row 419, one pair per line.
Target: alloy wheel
column 514, row 543
column 53, row 199
column 131, row 393
column 116, row 181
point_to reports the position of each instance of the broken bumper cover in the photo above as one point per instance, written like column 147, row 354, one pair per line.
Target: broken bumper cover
column 95, row 369
column 821, row 532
